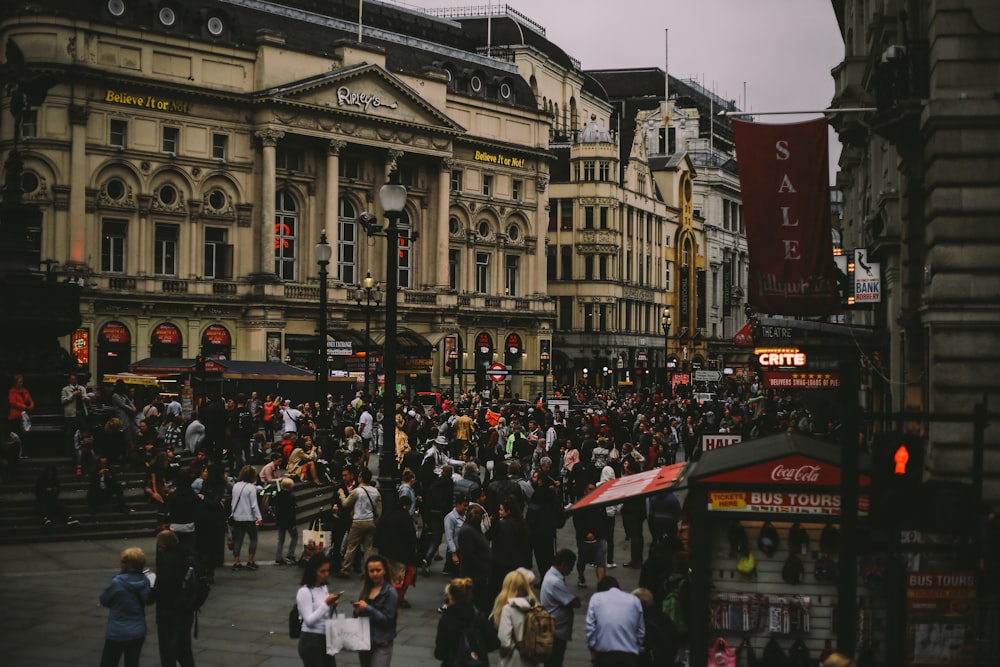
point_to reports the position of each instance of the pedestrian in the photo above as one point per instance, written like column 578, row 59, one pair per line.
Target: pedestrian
column 510, row 610
column 285, row 520
column 590, row 525
column 365, row 503
column 47, row 502
column 174, row 618
column 21, row 404
column 379, row 603
column 315, row 605
column 661, row 642
column 396, row 539
column 475, row 557
column 633, row 517
column 104, row 486
column 73, row 398
column 245, row 517
column 126, row 595
column 560, row 603
column 461, row 619
column 10, row 452
column 210, row 524
column 615, row 626
column 508, row 537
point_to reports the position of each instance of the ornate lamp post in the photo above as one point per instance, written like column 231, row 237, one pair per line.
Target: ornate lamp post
column 393, row 199
column 323, row 253
column 543, row 359
column 665, row 321
column 368, row 297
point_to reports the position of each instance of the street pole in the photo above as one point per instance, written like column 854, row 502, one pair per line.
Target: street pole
column 323, row 253
column 393, row 199
column 665, row 323
column 544, row 359
column 364, row 297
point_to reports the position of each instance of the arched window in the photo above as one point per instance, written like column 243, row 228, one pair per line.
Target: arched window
column 405, row 274
column 347, row 252
column 286, row 230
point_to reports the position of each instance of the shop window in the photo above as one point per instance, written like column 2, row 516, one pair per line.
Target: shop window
column 347, row 238
column 165, row 250
column 286, row 228
column 220, row 146
column 171, row 140
column 482, row 272
column 113, row 245
column 218, row 254
column 118, row 134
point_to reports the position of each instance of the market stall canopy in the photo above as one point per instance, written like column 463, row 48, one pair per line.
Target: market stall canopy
column 132, row 378
column 657, row 480
column 162, row 366
column 789, row 458
column 262, row 370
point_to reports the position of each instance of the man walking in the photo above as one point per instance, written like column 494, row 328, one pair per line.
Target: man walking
column 616, row 628
column 475, row 556
column 74, row 404
column 558, row 601
column 174, row 618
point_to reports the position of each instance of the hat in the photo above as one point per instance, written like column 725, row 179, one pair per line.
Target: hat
column 441, row 440
column 412, row 413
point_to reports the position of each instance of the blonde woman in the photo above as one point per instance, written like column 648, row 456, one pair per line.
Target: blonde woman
column 126, row 595
column 352, row 441
column 245, row 517
column 509, row 613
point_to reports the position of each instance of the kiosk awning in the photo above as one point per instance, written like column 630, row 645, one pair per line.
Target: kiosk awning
column 657, row 480
column 263, row 370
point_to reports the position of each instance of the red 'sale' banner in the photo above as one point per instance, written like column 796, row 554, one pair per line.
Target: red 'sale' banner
column 786, row 204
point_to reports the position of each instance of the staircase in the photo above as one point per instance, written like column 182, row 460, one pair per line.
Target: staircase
column 20, row 524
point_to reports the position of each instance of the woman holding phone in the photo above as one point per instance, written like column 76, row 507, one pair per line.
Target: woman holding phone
column 316, row 604
column 379, row 603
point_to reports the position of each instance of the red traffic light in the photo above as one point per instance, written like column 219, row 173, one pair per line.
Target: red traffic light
column 901, row 458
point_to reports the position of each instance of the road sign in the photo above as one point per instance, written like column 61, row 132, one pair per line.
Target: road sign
column 707, row 376
column 497, row 372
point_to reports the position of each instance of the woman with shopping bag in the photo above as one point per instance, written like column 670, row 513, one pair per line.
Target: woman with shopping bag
column 379, row 604
column 315, row 604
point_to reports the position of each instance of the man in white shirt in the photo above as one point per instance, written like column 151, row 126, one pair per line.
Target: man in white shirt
column 365, row 429
column 290, row 417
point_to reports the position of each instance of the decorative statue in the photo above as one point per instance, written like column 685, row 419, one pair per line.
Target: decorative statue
column 25, row 93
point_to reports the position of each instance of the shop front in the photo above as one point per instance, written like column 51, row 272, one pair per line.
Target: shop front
column 114, row 348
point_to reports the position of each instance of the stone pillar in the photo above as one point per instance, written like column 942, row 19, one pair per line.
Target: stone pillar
column 269, row 141
column 332, row 204
column 441, row 277
column 541, row 225
column 77, row 251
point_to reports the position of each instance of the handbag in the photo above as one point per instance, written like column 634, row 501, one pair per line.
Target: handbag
column 294, row 622
column 317, row 536
column 344, row 633
column 720, row 654
column 25, row 421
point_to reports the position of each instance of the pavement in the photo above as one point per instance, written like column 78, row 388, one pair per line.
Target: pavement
column 52, row 617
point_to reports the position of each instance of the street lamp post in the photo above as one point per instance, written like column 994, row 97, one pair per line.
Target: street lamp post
column 393, row 199
column 323, row 253
column 453, row 360
column 665, row 322
column 543, row 358
column 368, row 298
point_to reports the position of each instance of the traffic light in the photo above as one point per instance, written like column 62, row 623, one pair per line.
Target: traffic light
column 897, row 471
column 199, row 365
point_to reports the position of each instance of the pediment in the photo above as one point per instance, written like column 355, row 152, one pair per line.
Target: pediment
column 363, row 92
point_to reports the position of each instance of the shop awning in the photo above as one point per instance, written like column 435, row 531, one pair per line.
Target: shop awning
column 262, row 370
column 782, row 459
column 132, row 378
column 664, row 478
column 163, row 366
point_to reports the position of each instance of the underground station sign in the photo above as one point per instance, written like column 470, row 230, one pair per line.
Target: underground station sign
column 497, row 372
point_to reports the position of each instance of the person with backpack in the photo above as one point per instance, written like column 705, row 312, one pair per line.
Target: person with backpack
column 464, row 635
column 523, row 637
column 557, row 599
column 180, row 591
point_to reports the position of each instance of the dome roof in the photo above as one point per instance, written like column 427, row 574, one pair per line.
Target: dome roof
column 594, row 133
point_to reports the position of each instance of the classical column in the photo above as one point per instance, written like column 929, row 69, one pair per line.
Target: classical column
column 332, row 204
column 269, row 141
column 441, row 277
column 77, row 251
column 541, row 225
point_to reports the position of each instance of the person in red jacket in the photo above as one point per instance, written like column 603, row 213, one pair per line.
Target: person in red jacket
column 20, row 402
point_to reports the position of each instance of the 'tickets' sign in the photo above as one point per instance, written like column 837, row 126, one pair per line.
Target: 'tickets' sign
column 786, row 200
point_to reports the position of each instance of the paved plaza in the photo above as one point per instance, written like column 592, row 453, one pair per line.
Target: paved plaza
column 52, row 618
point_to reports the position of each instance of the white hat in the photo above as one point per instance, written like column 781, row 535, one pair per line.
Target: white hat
column 441, row 440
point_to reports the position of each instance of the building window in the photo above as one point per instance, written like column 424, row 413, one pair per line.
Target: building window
column 588, row 217
column 725, row 215
column 604, row 171
column 565, row 313
column 510, row 275
column 113, row 244
column 454, row 256
column 119, row 133
column 347, row 258
column 408, row 176
column 165, row 250
column 482, row 272
column 588, row 317
column 218, row 254
column 456, row 180
column 588, row 267
column 602, row 317
column 171, row 135
column 516, row 188
column 288, row 158
column 588, row 170
column 220, row 142
column 29, row 124
column 349, row 167
column 551, row 258
column 604, row 217
column 628, row 316
column 628, row 265
column 487, row 185
column 567, row 262
column 286, row 225
column 405, row 254
column 666, row 276
column 576, row 171
column 602, row 264
column 566, row 219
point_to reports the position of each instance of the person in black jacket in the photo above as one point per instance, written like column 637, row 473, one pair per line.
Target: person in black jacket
column 284, row 520
column 396, row 540
column 591, row 527
column 500, row 487
column 47, row 502
column 104, row 486
column 183, row 505
column 543, row 512
column 509, row 537
column 440, row 500
column 173, row 619
column 462, row 616
column 476, row 559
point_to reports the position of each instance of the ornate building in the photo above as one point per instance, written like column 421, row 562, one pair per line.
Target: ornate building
column 192, row 153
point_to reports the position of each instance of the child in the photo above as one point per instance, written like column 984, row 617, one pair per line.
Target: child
column 284, row 517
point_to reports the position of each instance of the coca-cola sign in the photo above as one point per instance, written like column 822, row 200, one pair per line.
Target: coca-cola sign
column 804, row 474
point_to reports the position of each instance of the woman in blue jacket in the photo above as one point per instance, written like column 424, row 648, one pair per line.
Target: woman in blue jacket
column 379, row 603
column 127, row 595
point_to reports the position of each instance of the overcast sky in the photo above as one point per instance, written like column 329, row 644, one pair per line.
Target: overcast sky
column 782, row 50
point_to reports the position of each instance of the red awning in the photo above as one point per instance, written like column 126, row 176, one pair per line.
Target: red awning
column 646, row 483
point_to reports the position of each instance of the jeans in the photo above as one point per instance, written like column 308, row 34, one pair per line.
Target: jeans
column 173, row 631
column 379, row 656
column 312, row 650
column 113, row 651
column 241, row 528
column 293, row 541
